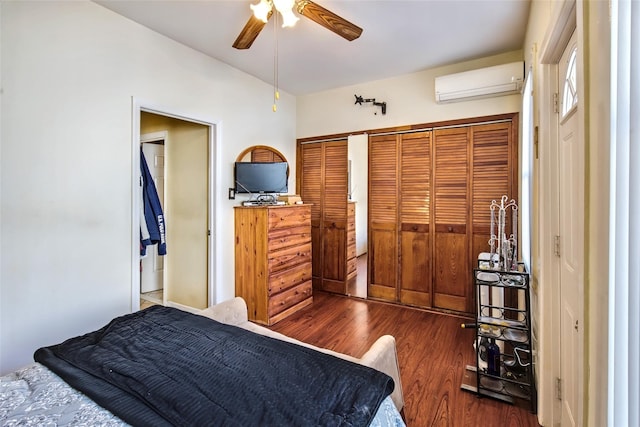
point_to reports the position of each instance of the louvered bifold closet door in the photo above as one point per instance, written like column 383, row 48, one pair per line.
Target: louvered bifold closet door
column 415, row 200
column 491, row 178
column 383, row 217
column 311, row 189
column 334, row 221
column 452, row 287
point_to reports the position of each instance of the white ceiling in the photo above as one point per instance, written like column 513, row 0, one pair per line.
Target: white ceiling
column 399, row 37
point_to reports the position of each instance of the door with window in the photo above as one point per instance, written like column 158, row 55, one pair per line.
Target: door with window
column 571, row 240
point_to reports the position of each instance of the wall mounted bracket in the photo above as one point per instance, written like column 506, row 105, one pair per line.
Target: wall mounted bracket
column 382, row 105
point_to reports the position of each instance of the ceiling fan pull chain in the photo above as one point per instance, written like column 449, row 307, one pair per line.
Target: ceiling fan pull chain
column 276, row 93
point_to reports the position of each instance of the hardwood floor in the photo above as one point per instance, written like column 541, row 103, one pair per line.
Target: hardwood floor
column 433, row 351
column 358, row 288
column 148, row 299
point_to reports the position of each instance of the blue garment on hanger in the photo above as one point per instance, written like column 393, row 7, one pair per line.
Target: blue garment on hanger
column 153, row 215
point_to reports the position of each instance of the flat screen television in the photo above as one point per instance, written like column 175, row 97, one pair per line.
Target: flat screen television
column 254, row 177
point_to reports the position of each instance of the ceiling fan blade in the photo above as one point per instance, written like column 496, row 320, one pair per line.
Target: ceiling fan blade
column 249, row 32
column 329, row 20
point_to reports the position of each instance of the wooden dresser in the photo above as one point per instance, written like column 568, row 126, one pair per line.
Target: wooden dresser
column 273, row 260
column 352, row 260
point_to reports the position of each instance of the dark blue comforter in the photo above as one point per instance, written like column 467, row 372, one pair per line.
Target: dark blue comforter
column 163, row 366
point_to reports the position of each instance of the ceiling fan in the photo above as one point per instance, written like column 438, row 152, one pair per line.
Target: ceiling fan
column 306, row 8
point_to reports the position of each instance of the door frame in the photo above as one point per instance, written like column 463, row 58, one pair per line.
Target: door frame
column 560, row 29
column 214, row 143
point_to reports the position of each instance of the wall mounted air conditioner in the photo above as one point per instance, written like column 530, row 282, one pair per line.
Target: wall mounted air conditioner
column 498, row 80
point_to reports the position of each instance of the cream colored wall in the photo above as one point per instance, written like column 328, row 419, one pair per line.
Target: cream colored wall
column 410, row 100
column 70, row 73
column 186, row 207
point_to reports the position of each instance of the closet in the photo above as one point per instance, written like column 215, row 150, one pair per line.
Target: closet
column 429, row 191
column 429, row 197
column 323, row 183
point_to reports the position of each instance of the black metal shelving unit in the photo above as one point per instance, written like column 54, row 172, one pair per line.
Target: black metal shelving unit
column 504, row 317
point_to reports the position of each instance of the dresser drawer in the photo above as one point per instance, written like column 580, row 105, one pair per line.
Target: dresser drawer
column 351, row 250
column 352, row 265
column 286, row 217
column 286, row 279
column 351, row 239
column 294, row 236
column 288, row 257
column 289, row 298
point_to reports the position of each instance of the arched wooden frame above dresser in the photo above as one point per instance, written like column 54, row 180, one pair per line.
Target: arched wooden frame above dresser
column 261, row 153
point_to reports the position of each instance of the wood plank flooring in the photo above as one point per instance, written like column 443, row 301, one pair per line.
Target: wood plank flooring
column 433, row 351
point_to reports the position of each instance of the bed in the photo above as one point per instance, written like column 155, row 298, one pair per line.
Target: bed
column 163, row 366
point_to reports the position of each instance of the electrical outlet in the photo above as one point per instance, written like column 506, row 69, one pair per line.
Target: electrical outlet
column 232, row 194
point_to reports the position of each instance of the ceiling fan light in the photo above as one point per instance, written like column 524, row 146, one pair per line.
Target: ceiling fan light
column 285, row 7
column 261, row 10
column 288, row 18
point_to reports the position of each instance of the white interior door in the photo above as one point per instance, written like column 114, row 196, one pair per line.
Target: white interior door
column 151, row 276
column 571, row 241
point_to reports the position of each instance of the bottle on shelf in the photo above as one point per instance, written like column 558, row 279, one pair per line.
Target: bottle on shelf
column 493, row 358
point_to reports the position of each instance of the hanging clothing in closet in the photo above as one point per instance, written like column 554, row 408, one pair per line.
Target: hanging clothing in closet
column 152, row 225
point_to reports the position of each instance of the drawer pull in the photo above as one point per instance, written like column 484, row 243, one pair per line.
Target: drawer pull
column 450, row 229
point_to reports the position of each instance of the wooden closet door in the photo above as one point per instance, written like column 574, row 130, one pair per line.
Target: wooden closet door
column 383, row 213
column 414, row 218
column 334, row 217
column 311, row 190
column 452, row 286
column 494, row 165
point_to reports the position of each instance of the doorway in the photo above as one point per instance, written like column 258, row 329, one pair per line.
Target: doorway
column 152, row 263
column 188, row 165
column 358, row 190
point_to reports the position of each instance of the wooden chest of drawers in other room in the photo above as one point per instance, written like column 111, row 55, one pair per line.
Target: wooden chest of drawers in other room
column 273, row 260
column 352, row 260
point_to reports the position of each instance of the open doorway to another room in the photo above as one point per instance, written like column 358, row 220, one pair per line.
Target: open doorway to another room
column 179, row 156
column 358, row 183
column 152, row 263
